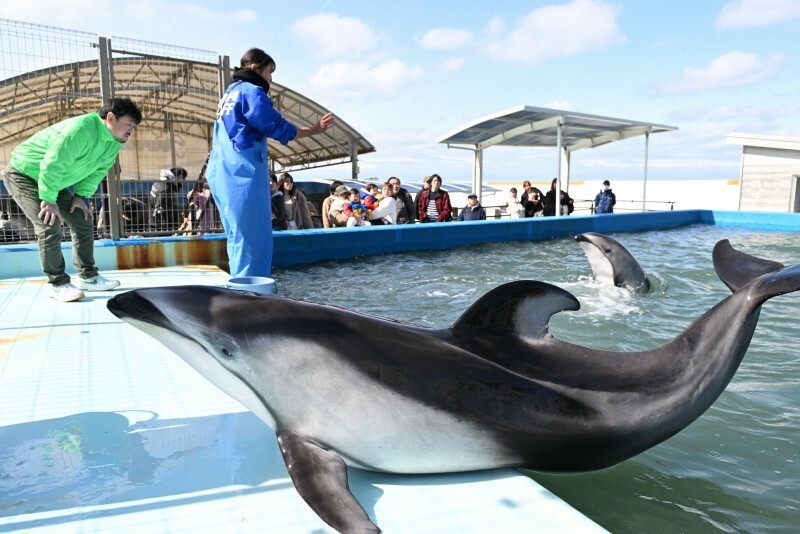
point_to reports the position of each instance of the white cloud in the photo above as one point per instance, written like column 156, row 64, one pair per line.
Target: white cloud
column 445, row 38
column 59, row 13
column 757, row 13
column 105, row 15
column 350, row 80
column 558, row 31
column 328, row 35
column 201, row 12
column 453, row 64
column 734, row 69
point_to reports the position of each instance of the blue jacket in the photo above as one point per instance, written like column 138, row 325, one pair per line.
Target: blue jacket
column 604, row 202
column 249, row 115
column 472, row 213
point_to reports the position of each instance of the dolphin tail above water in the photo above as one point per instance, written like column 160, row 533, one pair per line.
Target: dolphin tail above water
column 612, row 263
column 494, row 390
column 737, row 269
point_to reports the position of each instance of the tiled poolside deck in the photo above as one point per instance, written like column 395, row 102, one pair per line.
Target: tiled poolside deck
column 105, row 430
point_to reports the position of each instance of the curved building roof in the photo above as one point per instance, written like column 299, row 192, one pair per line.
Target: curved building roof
column 178, row 97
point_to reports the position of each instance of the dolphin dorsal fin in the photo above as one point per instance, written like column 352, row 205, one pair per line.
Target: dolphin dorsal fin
column 522, row 307
column 736, row 269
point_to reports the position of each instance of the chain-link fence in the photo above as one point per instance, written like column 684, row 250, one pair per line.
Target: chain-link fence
column 51, row 74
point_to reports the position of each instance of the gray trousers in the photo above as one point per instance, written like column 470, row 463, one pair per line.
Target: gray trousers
column 25, row 192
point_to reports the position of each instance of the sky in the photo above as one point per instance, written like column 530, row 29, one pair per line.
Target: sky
column 404, row 74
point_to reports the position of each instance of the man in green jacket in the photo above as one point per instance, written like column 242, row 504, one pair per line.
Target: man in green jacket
column 75, row 152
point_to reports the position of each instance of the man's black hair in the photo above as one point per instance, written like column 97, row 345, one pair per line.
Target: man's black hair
column 121, row 107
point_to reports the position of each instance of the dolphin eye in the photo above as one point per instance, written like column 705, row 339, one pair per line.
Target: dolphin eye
column 227, row 353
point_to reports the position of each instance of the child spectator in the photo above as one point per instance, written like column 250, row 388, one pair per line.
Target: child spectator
column 371, row 199
column 355, row 210
column 513, row 206
column 473, row 211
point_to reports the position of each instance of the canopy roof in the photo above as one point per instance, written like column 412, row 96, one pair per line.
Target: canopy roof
column 182, row 93
column 538, row 127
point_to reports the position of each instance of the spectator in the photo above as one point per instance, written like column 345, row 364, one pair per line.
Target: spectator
column 74, row 153
column 371, row 198
column 426, row 185
column 404, row 202
column 355, row 210
column 164, row 196
column 531, row 208
column 550, row 201
column 434, row 203
column 326, row 204
column 336, row 215
column 473, row 211
column 201, row 206
column 605, row 199
column 297, row 214
column 386, row 210
column 279, row 221
column 566, row 203
column 238, row 166
column 513, row 206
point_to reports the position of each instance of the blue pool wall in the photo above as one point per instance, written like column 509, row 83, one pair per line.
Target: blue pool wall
column 310, row 246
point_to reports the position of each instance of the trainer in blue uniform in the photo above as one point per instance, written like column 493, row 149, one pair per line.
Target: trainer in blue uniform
column 237, row 169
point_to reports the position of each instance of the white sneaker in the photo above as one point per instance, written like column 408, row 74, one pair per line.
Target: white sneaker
column 96, row 283
column 66, row 293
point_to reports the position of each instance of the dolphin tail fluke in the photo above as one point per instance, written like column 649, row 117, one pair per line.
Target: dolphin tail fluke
column 737, row 269
column 321, row 480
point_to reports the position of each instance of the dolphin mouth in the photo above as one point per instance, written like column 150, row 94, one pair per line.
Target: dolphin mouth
column 582, row 238
column 131, row 305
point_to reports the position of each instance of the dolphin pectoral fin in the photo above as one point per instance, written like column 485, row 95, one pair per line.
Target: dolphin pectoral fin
column 321, row 480
column 736, row 269
column 522, row 307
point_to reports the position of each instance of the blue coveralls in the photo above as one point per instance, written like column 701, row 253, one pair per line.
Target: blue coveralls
column 238, row 174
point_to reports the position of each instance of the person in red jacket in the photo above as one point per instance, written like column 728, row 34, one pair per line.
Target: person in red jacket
column 434, row 203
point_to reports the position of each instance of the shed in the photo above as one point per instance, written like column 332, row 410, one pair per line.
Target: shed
column 769, row 173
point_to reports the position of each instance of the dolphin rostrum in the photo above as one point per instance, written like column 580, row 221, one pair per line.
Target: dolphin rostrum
column 612, row 263
column 494, row 390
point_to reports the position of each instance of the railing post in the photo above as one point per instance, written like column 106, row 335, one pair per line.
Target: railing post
column 111, row 204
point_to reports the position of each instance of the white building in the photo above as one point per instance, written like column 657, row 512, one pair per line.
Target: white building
column 770, row 172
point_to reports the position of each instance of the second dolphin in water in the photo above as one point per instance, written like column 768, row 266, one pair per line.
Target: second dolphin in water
column 612, row 263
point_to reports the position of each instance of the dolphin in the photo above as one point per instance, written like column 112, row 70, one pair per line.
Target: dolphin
column 496, row 389
column 611, row 262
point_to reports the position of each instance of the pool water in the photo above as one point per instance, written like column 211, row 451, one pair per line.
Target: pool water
column 736, row 469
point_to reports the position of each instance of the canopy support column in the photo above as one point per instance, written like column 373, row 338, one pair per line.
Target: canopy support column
column 353, row 159
column 477, row 174
column 558, row 170
column 646, row 153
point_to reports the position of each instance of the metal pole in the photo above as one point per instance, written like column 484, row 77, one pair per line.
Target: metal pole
column 646, row 150
column 353, row 158
column 224, row 74
column 558, row 174
column 111, row 204
column 477, row 173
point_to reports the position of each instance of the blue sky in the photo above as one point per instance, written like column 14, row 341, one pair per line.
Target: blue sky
column 406, row 73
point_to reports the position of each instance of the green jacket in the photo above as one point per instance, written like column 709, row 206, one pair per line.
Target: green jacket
column 77, row 151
